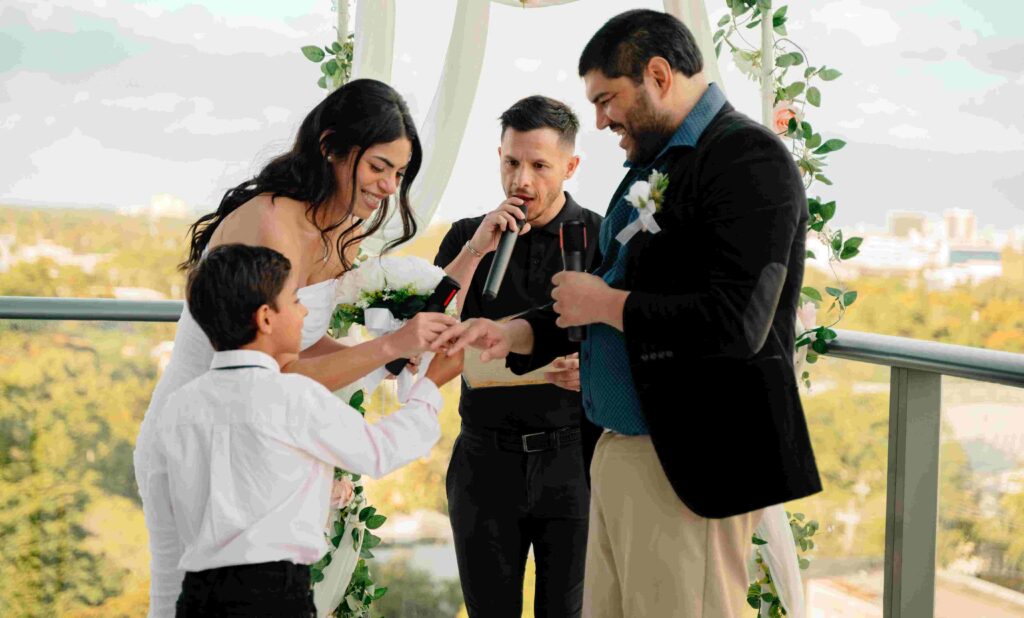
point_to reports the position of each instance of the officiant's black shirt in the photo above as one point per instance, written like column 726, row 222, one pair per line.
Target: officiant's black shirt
column 536, row 258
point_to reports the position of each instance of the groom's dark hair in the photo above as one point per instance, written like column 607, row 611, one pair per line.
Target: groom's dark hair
column 538, row 112
column 627, row 42
column 227, row 287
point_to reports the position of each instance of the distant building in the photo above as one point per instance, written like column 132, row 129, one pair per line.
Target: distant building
column 903, row 224
column 961, row 225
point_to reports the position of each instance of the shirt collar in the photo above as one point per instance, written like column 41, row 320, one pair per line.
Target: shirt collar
column 570, row 212
column 250, row 358
column 693, row 125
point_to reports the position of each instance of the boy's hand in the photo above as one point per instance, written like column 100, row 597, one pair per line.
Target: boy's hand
column 444, row 368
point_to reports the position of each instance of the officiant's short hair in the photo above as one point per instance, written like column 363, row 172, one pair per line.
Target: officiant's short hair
column 624, row 45
column 225, row 289
column 540, row 112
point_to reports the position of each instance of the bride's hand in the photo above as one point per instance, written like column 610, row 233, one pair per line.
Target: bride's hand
column 418, row 334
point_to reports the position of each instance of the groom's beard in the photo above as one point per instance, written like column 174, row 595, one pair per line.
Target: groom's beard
column 647, row 129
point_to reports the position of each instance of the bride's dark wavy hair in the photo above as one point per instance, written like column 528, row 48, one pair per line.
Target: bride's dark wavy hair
column 360, row 114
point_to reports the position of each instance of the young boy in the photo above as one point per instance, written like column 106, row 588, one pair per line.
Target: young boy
column 248, row 453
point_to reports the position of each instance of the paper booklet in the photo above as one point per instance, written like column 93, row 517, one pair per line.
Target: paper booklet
column 478, row 374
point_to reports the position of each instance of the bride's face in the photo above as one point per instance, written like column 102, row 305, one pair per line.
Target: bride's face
column 378, row 175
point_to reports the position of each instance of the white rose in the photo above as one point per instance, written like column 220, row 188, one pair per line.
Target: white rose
column 411, row 271
column 639, row 193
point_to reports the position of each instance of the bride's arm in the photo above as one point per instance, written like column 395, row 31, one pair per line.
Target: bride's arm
column 335, row 365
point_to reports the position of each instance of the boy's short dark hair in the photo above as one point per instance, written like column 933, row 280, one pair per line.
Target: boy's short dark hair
column 624, row 45
column 539, row 112
column 227, row 287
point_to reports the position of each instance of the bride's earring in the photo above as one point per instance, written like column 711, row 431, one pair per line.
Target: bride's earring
column 330, row 158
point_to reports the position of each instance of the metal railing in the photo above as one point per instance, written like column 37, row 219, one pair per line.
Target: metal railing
column 915, row 396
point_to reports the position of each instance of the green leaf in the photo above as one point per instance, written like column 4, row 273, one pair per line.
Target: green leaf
column 831, row 145
column 764, row 5
column 835, row 292
column 313, row 52
column 365, row 553
column 754, row 24
column 823, row 179
column 767, row 597
column 758, row 541
column 819, row 346
column 848, row 253
column 854, row 242
column 814, row 141
column 725, row 19
column 379, row 592
column 357, row 400
column 331, row 66
column 718, row 49
column 809, row 71
column 780, row 14
column 367, row 513
column 811, row 256
column 359, row 489
column 810, row 292
column 828, row 335
column 811, row 358
column 370, row 540
column 717, row 36
column 322, row 82
column 787, row 60
column 336, row 46
column 339, row 527
column 814, row 96
column 849, row 298
column 828, row 211
column 829, row 74
column 794, row 90
column 792, row 127
column 781, row 29
column 837, row 241
column 316, row 576
column 804, row 563
column 336, row 540
column 805, row 128
column 375, row 521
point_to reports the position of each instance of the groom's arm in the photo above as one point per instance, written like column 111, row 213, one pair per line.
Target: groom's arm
column 753, row 208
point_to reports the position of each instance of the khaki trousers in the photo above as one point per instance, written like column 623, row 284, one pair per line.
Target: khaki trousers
column 648, row 554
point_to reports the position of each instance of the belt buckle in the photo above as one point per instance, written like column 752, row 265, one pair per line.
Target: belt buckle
column 526, row 445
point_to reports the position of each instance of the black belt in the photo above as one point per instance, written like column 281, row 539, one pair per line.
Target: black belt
column 526, row 442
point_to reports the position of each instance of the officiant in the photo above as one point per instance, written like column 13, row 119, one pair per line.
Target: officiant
column 518, row 475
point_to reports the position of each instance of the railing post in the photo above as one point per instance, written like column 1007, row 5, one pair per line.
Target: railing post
column 912, row 495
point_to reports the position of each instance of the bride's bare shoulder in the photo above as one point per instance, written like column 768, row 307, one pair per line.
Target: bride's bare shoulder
column 275, row 222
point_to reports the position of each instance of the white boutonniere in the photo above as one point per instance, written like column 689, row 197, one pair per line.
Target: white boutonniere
column 646, row 196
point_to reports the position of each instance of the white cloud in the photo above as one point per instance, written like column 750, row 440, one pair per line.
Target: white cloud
column 527, row 65
column 906, row 131
column 872, row 26
column 156, row 102
column 80, row 97
column 200, row 122
column 11, row 121
column 880, row 106
column 275, row 114
column 852, row 124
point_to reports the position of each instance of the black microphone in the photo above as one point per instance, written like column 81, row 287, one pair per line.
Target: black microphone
column 438, row 301
column 500, row 263
column 573, row 236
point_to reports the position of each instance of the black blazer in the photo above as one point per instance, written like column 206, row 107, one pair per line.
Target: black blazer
column 709, row 323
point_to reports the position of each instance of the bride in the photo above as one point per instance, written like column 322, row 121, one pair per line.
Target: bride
column 314, row 204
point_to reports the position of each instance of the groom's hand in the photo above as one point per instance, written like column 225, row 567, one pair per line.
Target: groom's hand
column 479, row 333
column 582, row 298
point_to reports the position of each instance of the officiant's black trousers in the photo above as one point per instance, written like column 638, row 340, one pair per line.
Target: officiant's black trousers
column 503, row 499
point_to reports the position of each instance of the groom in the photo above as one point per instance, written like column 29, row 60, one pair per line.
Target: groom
column 688, row 363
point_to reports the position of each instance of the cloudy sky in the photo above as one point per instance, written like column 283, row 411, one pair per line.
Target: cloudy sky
column 108, row 102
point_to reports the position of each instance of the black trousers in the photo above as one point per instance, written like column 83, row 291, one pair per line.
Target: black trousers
column 265, row 590
column 501, row 502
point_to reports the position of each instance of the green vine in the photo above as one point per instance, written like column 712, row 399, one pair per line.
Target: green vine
column 361, row 591
column 794, row 96
column 335, row 60
column 809, row 148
